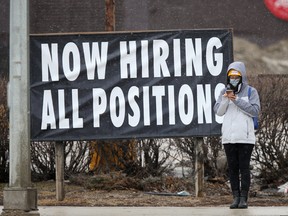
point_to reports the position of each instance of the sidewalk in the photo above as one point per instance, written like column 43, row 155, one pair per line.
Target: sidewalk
column 161, row 211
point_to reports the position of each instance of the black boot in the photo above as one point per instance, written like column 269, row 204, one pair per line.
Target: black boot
column 243, row 200
column 236, row 200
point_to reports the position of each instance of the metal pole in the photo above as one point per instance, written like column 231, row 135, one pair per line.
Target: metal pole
column 19, row 195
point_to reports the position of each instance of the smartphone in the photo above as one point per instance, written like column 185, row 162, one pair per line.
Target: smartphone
column 229, row 91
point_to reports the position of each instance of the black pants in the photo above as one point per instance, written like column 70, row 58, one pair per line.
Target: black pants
column 238, row 159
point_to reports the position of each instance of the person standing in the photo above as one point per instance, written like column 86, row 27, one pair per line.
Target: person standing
column 238, row 103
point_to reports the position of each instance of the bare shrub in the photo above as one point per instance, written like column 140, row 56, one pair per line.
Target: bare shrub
column 156, row 153
column 186, row 146
column 216, row 158
column 271, row 149
column 212, row 152
column 118, row 181
column 76, row 158
column 42, row 161
column 137, row 158
column 4, row 131
column 114, row 155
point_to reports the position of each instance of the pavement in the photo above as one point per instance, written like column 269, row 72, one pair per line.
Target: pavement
column 160, row 211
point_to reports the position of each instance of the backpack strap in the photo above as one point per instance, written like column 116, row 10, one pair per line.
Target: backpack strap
column 249, row 92
column 255, row 119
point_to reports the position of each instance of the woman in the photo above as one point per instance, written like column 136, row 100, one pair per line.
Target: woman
column 238, row 106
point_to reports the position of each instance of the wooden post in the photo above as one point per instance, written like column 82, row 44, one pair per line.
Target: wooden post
column 59, row 158
column 199, row 167
column 110, row 15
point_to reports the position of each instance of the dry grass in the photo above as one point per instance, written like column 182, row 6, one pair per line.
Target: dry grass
column 82, row 192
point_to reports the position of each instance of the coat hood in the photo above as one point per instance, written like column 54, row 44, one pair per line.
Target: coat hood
column 239, row 66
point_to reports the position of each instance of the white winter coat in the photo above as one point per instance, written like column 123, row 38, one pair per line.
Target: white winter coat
column 237, row 126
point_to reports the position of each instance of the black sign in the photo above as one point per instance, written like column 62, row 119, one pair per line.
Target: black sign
column 127, row 85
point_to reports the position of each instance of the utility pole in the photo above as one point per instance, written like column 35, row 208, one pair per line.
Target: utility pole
column 110, row 15
column 19, row 197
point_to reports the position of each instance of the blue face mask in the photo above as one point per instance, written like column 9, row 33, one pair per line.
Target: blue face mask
column 234, row 82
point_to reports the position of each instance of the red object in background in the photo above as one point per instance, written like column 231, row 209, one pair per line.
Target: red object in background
column 279, row 8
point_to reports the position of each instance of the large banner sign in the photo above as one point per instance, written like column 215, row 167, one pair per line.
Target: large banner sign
column 127, row 85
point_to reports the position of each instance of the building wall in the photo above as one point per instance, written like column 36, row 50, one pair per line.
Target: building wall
column 248, row 18
column 58, row 16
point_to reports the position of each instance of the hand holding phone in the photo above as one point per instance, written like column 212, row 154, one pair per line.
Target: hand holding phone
column 229, row 92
